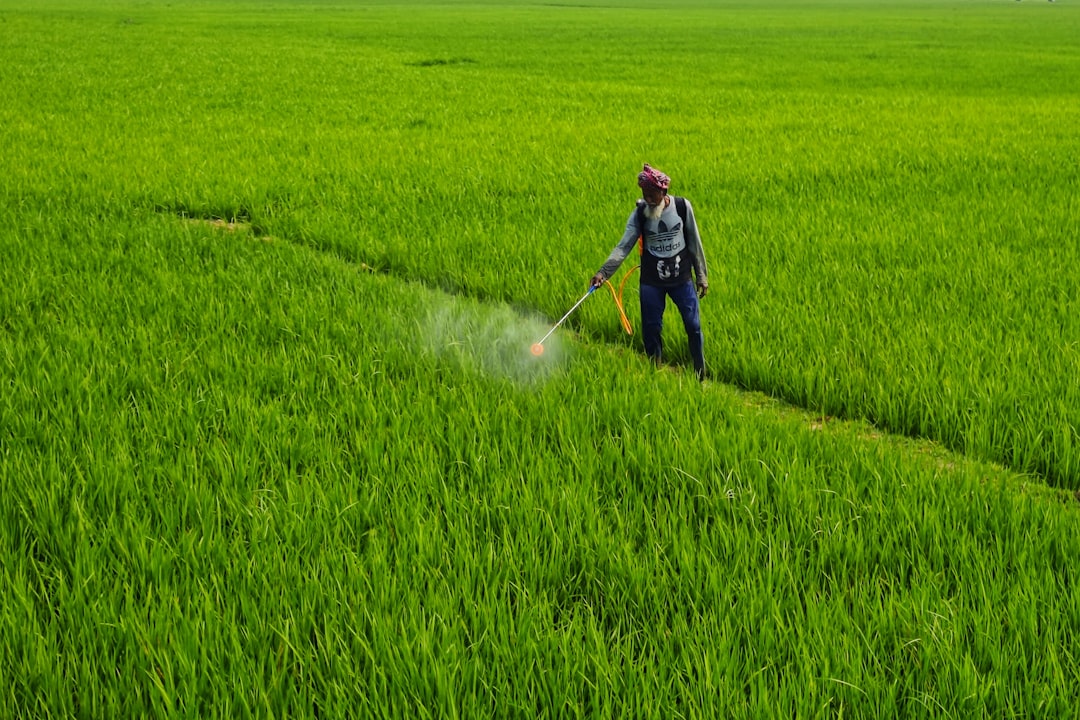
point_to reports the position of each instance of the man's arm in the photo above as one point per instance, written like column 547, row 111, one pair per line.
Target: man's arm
column 695, row 248
column 615, row 259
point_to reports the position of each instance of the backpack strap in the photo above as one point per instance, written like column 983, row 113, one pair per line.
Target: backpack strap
column 639, row 220
column 680, row 207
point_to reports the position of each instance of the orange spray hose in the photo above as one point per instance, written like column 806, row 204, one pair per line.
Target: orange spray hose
column 617, row 297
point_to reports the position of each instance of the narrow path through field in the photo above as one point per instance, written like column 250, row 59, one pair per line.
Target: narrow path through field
column 940, row 457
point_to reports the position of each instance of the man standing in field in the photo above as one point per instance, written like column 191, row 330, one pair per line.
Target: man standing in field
column 670, row 251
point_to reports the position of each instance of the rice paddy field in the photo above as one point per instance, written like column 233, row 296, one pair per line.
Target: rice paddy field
column 272, row 442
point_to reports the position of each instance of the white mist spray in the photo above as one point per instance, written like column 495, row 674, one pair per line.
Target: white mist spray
column 495, row 341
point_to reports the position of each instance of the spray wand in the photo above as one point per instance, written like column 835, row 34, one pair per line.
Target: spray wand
column 538, row 348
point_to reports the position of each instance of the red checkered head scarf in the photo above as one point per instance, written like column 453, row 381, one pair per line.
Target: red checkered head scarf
column 650, row 177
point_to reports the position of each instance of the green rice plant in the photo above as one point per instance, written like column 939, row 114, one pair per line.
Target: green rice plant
column 271, row 443
column 304, row 508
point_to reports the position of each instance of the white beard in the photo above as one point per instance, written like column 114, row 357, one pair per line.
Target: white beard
column 654, row 213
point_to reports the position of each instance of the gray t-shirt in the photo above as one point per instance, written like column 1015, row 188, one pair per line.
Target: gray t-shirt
column 668, row 240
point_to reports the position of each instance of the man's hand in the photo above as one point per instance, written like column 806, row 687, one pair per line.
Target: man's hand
column 702, row 289
column 597, row 280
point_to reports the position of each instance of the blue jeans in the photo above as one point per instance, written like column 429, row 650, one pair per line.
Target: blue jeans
column 653, row 301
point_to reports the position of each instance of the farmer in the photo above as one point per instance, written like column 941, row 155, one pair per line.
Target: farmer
column 670, row 251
